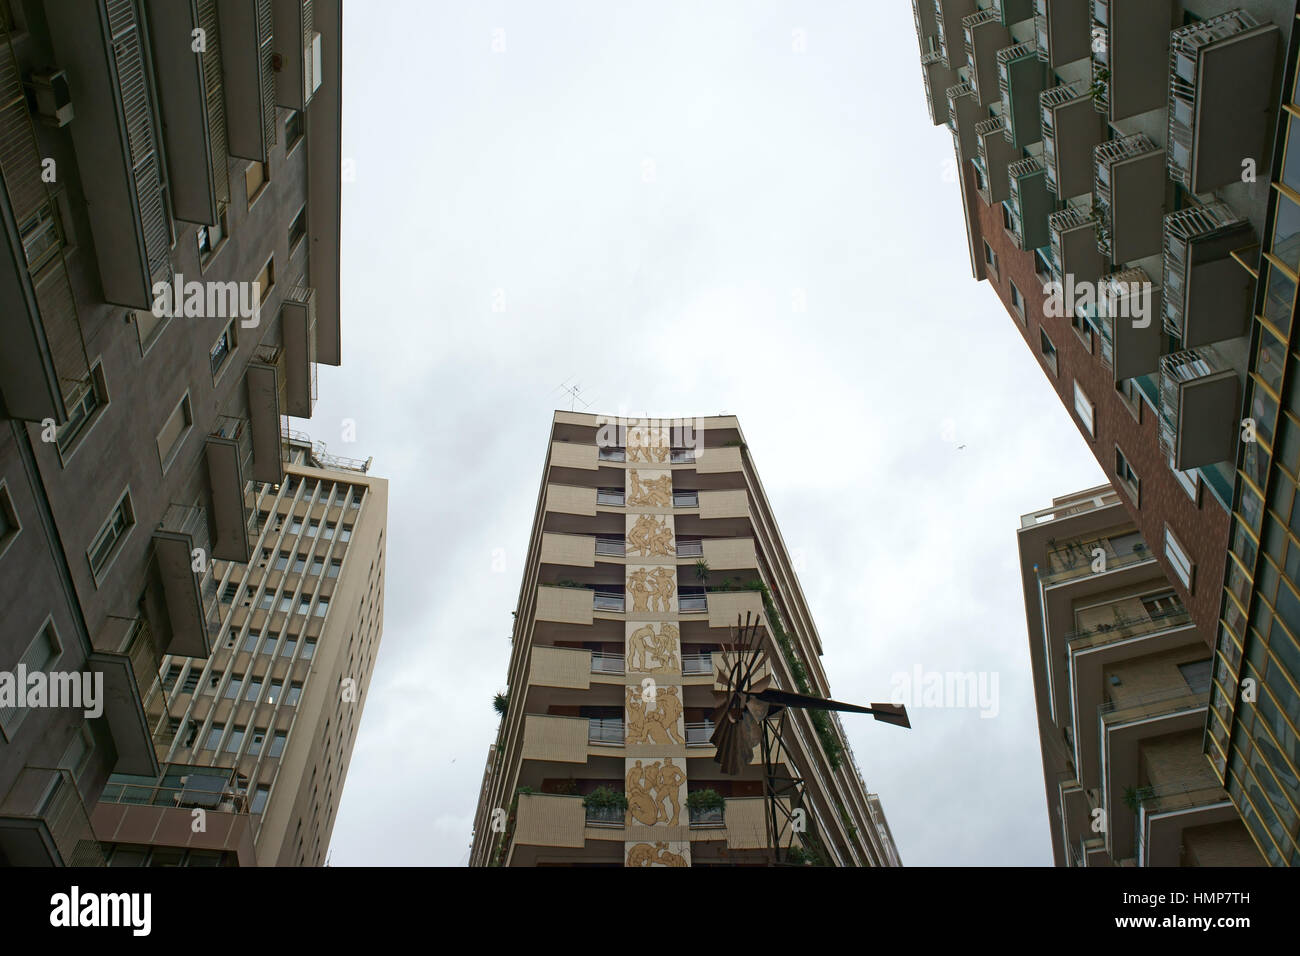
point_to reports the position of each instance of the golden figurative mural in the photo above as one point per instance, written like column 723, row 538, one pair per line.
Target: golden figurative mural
column 645, row 644
column 654, row 793
column 649, row 492
column 652, row 589
column 661, row 854
column 651, row 536
column 654, row 718
column 648, row 444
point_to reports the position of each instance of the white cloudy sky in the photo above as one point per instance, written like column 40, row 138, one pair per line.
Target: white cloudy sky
column 522, row 175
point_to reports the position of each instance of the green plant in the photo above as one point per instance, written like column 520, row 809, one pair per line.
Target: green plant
column 501, row 703
column 604, row 798
column 702, row 571
column 567, row 583
column 707, row 799
column 568, row 788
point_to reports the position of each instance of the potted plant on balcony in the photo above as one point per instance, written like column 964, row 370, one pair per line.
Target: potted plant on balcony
column 605, row 804
column 705, row 805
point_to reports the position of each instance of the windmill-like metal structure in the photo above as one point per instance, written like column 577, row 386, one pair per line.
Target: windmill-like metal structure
column 754, row 714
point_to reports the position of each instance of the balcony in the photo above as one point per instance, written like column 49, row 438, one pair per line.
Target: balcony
column 299, row 46
column 1061, row 31
column 1072, row 129
column 613, row 497
column 1220, row 86
column 963, row 114
column 610, row 546
column 1075, row 255
column 43, row 822
column 267, row 401
column 697, row 665
column 190, row 596
column 1029, row 203
column 247, row 55
column 609, row 600
column 923, row 19
column 605, row 817
column 192, row 104
column 984, row 35
column 1208, row 296
column 690, row 548
column 1022, row 78
column 1165, row 811
column 993, row 155
column 686, row 499
column 1074, row 561
column 1014, row 11
column 606, row 731
column 937, row 76
column 681, row 456
column 707, row 819
column 43, row 366
column 298, row 329
column 948, row 15
column 1130, row 195
column 602, row 663
column 1199, row 407
column 1131, row 339
column 1123, row 629
column 100, row 45
column 229, row 454
column 688, row 603
column 126, row 653
column 611, row 454
column 1129, row 51
column 699, row 733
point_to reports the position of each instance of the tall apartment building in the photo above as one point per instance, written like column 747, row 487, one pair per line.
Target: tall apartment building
column 147, row 145
column 650, row 540
column 260, row 733
column 1121, row 680
column 1115, row 160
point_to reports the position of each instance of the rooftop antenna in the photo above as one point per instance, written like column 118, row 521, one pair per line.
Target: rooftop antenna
column 574, row 393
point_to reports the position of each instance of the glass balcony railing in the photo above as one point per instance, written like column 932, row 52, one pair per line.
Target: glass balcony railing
column 602, row 663
column 613, row 497
column 606, row 730
column 690, row 548
column 1069, row 563
column 696, row 664
column 609, row 817
column 692, row 603
column 609, row 601
column 611, row 547
column 686, row 499
column 699, row 732
column 1119, row 629
column 1160, row 703
column 606, row 453
column 707, row 819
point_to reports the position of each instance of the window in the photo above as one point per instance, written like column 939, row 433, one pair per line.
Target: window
column 335, row 567
column 191, row 681
column 40, row 655
column 1084, row 409
column 1017, row 301
column 298, row 229
column 322, row 606
column 9, row 524
column 273, row 697
column 277, row 743
column 260, row 796
column 254, row 689
column 266, row 278
column 1189, row 480
column 228, row 593
column 256, row 740
column 1197, row 675
column 235, row 740
column 256, row 177
column 346, row 534
column 1083, row 329
column 299, row 563
column 147, row 327
column 108, row 541
column 990, row 258
column 317, row 566
column 1127, row 476
column 304, row 603
column 329, row 530
column 214, row 737
column 82, row 412
column 172, row 676
column 1182, row 564
column 295, row 526
column 292, row 131
column 1048, row 349
column 213, row 680
column 232, row 688
column 211, row 238
column 313, row 528
column 268, row 598
column 309, row 648
column 286, row 603
column 355, row 502
column 177, row 428
column 250, row 641
column 219, row 354
column 282, row 560
column 295, row 692
column 290, row 645
column 77, row 755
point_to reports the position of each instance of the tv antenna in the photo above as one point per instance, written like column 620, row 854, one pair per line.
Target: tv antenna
column 574, row 391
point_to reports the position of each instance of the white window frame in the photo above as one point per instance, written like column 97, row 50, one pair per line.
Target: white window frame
column 1082, row 402
column 98, row 574
column 1179, row 559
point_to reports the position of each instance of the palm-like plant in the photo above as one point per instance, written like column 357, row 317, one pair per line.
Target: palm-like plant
column 500, row 703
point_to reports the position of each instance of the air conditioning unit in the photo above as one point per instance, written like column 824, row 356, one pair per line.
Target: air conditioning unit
column 53, row 98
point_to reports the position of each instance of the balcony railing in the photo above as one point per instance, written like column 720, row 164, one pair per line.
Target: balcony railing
column 612, row 497
column 1078, row 563
column 992, row 155
column 1198, row 242
column 697, row 664
column 692, row 603
column 611, row 547
column 609, row 601
column 606, row 730
column 690, row 549
column 1199, row 391
column 1108, row 155
column 682, row 456
column 1129, row 345
column 192, row 521
column 709, row 819
column 686, row 499
column 1123, row 628
column 1160, row 703
column 1028, row 203
column 1057, row 107
column 1021, row 78
column 1101, row 55
column 207, row 792
column 1073, row 233
column 698, row 733
column 602, row 663
column 609, row 817
column 607, row 453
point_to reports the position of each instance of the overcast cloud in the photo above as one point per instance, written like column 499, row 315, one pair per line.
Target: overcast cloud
column 650, row 190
